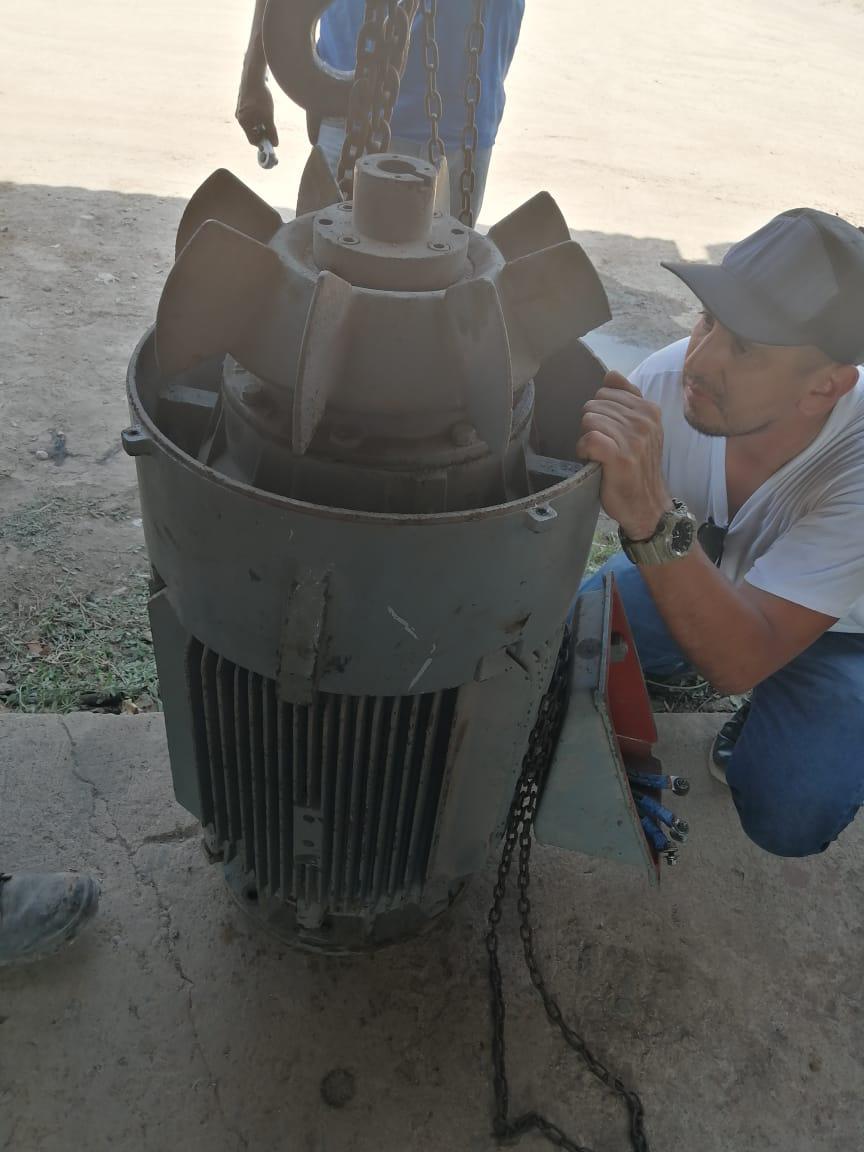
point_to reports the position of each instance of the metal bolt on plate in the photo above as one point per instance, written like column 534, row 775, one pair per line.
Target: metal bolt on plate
column 463, row 434
column 136, row 442
column 541, row 517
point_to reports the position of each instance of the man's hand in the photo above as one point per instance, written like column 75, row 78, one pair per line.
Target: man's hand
column 255, row 109
column 622, row 431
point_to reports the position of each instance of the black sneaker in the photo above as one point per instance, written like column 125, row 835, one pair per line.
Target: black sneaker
column 41, row 911
column 724, row 743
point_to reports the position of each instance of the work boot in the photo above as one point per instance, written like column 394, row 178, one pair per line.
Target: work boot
column 724, row 743
column 41, row 911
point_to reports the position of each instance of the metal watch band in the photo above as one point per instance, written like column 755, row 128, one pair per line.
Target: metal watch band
column 658, row 549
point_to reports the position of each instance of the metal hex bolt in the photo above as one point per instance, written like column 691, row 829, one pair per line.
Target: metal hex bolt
column 136, row 442
column 618, row 648
column 463, row 434
column 541, row 517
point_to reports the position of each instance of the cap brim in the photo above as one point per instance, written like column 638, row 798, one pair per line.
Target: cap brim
column 736, row 305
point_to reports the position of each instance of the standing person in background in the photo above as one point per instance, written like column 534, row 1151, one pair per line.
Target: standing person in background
column 337, row 46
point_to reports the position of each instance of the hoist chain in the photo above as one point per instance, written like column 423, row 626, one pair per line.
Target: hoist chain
column 370, row 50
column 434, row 103
column 397, row 38
column 474, row 47
column 541, row 746
column 382, row 50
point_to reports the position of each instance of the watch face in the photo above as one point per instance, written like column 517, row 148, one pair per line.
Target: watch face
column 682, row 536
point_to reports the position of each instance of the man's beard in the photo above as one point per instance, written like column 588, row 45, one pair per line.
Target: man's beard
column 705, row 429
column 724, row 433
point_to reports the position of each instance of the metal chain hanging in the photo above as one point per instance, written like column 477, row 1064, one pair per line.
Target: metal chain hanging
column 370, row 49
column 397, row 37
column 434, row 103
column 473, row 89
column 541, row 745
column 382, row 50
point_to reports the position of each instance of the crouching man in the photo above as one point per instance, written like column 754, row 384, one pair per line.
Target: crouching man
column 734, row 465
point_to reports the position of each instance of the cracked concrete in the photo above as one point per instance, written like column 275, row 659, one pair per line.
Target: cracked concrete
column 731, row 999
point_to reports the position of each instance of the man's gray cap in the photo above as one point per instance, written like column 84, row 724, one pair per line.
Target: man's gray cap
column 797, row 281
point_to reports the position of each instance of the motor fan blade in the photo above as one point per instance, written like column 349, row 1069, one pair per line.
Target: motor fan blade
column 477, row 335
column 534, row 225
column 322, row 356
column 549, row 298
column 224, row 198
column 221, row 282
column 318, row 187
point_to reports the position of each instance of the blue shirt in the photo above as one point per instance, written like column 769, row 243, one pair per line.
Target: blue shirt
column 337, row 46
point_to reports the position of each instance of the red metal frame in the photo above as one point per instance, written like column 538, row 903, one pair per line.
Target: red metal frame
column 626, row 695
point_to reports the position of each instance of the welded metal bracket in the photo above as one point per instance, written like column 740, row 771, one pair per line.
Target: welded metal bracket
column 586, row 804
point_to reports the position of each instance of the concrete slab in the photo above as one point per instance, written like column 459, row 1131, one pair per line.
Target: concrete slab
column 732, row 999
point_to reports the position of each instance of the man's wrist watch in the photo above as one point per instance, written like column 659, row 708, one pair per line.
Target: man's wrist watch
column 673, row 538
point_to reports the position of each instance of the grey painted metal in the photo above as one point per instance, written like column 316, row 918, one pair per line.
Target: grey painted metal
column 333, row 317
column 367, row 526
column 390, row 236
column 170, row 642
column 587, row 805
column 493, row 721
column 324, row 599
column 326, row 807
column 223, row 197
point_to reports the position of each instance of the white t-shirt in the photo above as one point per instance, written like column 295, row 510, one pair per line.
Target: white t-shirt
column 801, row 534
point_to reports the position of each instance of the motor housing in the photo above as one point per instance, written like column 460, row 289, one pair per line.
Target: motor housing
column 367, row 527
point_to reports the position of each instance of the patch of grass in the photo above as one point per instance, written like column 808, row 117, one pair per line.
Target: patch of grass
column 32, row 525
column 35, row 525
column 604, row 547
column 62, row 652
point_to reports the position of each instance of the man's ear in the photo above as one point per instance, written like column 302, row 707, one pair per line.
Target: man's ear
column 828, row 386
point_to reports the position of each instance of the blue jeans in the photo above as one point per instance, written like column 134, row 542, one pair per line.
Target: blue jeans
column 332, row 133
column 797, row 772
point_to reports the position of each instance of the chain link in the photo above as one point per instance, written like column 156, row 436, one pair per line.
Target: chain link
column 397, row 34
column 382, row 51
column 434, row 103
column 518, row 833
column 370, row 50
column 474, row 41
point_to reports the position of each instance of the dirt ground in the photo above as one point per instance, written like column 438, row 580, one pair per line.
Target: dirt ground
column 663, row 131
